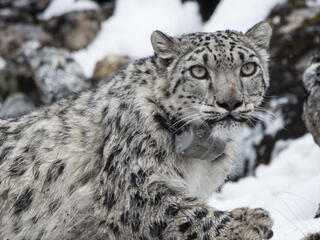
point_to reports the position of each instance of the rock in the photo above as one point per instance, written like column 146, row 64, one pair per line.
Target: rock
column 318, row 212
column 107, row 7
column 108, row 66
column 10, row 15
column 56, row 74
column 311, row 108
column 30, row 6
column 17, row 76
column 13, row 36
column 15, row 106
column 75, row 30
column 206, row 7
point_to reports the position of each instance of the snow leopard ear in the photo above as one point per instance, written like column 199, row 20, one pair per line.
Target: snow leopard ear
column 260, row 34
column 163, row 45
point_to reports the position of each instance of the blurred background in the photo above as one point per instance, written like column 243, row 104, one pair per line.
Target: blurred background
column 51, row 48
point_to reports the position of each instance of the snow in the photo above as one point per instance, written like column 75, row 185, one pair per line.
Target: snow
column 288, row 188
column 313, row 3
column 240, row 15
column 128, row 31
column 2, row 63
column 59, row 7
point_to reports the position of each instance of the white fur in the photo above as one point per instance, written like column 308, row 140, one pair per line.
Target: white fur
column 203, row 177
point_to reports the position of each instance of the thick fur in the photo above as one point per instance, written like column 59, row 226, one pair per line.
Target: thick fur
column 103, row 165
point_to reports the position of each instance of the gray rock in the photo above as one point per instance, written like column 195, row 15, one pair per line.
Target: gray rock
column 311, row 107
column 206, row 7
column 17, row 76
column 75, row 30
column 16, row 105
column 318, row 213
column 11, row 15
column 31, row 6
column 56, row 74
column 14, row 36
column 107, row 9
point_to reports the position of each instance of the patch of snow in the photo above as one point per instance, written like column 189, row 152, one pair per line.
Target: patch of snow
column 288, row 188
column 273, row 119
column 128, row 31
column 239, row 15
column 2, row 63
column 248, row 138
column 276, row 20
column 60, row 7
column 279, row 147
column 313, row 3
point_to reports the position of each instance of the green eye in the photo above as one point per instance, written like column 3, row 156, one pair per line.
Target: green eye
column 198, row 72
column 248, row 69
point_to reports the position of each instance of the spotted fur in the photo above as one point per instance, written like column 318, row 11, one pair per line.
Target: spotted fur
column 103, row 165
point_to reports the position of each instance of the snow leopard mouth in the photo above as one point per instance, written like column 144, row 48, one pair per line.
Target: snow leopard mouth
column 228, row 118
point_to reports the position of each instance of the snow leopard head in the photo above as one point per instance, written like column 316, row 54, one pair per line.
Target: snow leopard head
column 218, row 78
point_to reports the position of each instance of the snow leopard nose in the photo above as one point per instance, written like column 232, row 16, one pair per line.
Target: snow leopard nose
column 230, row 104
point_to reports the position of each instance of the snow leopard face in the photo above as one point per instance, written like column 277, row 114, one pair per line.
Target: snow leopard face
column 218, row 78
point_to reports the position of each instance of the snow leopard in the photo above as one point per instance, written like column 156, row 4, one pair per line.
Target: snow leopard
column 105, row 163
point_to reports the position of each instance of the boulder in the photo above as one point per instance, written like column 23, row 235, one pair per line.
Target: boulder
column 14, row 36
column 56, row 74
column 206, row 7
column 75, row 30
column 16, row 75
column 107, row 66
column 10, row 15
column 107, row 7
column 32, row 6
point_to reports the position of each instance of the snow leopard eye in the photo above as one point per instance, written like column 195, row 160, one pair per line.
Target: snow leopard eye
column 248, row 69
column 198, row 72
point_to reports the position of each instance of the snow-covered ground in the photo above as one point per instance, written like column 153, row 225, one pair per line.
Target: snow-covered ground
column 290, row 186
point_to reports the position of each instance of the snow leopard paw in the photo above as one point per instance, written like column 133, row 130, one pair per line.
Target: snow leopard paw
column 250, row 224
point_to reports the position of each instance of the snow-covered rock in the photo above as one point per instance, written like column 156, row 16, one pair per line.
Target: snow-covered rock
column 75, row 30
column 56, row 74
column 13, row 36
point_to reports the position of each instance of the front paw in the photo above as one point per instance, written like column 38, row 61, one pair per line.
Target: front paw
column 250, row 224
